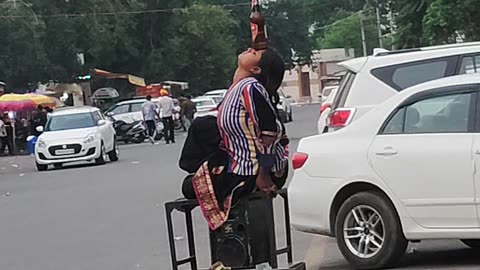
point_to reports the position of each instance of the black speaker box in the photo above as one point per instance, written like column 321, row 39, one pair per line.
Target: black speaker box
column 248, row 237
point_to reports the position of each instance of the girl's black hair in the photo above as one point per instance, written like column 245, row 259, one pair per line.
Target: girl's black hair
column 273, row 71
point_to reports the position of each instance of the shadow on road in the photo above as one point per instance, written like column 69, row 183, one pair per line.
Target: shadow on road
column 428, row 255
column 435, row 259
column 74, row 166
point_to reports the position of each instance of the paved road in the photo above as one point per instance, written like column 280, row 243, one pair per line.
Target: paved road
column 111, row 217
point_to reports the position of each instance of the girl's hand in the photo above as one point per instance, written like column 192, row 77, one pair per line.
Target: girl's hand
column 267, row 140
column 266, row 185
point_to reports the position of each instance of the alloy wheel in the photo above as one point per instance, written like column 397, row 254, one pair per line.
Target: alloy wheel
column 364, row 231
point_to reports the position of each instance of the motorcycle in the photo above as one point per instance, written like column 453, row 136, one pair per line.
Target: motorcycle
column 178, row 122
column 159, row 131
column 135, row 132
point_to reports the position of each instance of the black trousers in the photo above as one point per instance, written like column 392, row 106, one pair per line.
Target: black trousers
column 169, row 129
column 151, row 127
column 4, row 143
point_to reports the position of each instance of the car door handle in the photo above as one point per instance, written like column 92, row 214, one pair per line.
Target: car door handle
column 388, row 151
column 477, row 152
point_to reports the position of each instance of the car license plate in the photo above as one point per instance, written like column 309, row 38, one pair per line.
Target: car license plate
column 64, row 152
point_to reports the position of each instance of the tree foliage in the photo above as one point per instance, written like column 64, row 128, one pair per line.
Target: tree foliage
column 198, row 40
column 346, row 33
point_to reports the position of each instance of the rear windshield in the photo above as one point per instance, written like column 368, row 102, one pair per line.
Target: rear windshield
column 343, row 90
column 327, row 91
column 403, row 76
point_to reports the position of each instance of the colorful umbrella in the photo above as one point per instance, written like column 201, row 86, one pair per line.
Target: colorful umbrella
column 41, row 100
column 15, row 103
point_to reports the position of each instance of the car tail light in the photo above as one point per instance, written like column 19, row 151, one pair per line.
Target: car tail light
column 299, row 160
column 213, row 109
column 341, row 117
column 325, row 107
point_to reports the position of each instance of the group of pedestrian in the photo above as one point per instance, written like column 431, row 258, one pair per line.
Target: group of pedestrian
column 164, row 111
column 15, row 130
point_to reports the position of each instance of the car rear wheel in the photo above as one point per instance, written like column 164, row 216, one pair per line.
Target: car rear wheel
column 41, row 167
column 103, row 156
column 473, row 243
column 114, row 154
column 368, row 231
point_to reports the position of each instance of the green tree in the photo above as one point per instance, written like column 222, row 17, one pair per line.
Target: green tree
column 201, row 50
column 22, row 58
column 445, row 20
column 346, row 33
column 288, row 28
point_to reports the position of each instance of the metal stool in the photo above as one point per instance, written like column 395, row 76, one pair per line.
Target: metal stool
column 187, row 206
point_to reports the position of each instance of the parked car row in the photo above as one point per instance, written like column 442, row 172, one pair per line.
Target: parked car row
column 208, row 104
column 398, row 155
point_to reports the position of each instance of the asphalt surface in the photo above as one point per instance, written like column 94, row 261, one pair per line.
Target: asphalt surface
column 111, row 217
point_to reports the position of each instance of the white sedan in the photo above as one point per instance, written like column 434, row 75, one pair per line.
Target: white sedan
column 406, row 171
column 74, row 135
column 207, row 105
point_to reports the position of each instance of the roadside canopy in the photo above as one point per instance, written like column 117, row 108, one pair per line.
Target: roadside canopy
column 110, row 75
column 16, row 102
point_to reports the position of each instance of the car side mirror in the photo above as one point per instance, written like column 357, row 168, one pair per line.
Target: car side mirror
column 101, row 123
column 289, row 96
column 39, row 129
column 110, row 114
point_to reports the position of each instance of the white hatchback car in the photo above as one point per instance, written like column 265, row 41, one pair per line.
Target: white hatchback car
column 74, row 135
column 406, row 171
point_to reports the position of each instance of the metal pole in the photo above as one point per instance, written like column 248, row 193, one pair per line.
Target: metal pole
column 364, row 42
column 392, row 27
column 379, row 23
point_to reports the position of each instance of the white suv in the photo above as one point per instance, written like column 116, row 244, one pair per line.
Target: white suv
column 74, row 135
column 372, row 80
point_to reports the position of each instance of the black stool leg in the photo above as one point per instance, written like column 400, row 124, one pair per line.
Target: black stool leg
column 288, row 231
column 171, row 238
column 191, row 240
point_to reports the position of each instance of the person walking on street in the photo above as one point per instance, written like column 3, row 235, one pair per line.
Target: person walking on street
column 149, row 112
column 188, row 109
column 167, row 107
column 6, row 135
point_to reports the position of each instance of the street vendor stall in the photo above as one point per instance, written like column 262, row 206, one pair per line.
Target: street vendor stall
column 16, row 103
column 19, row 109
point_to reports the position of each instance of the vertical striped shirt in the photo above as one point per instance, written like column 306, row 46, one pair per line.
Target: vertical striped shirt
column 240, row 120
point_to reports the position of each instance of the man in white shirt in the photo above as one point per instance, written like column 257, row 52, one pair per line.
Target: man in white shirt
column 168, row 109
column 149, row 111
